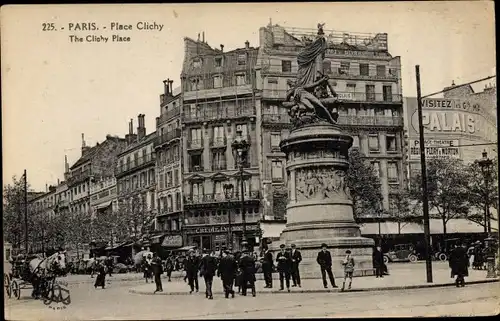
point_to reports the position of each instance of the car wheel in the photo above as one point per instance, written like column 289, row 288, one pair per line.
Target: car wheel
column 386, row 259
column 413, row 258
column 442, row 257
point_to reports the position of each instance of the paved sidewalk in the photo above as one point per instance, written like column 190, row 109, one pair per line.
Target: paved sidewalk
column 400, row 278
column 85, row 278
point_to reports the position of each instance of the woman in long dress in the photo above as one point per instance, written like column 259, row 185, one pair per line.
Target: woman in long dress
column 101, row 275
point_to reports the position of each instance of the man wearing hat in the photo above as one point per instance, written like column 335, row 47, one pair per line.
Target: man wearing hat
column 267, row 267
column 208, row 266
column 324, row 260
column 191, row 265
column 284, row 260
column 227, row 271
column 296, row 259
column 247, row 266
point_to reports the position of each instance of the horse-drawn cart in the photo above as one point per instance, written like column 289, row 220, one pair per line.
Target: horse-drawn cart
column 33, row 273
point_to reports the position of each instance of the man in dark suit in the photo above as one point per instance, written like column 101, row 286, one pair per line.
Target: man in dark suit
column 191, row 265
column 227, row 271
column 157, row 267
column 267, row 267
column 296, row 259
column 378, row 262
column 324, row 260
column 284, row 260
column 247, row 267
column 208, row 266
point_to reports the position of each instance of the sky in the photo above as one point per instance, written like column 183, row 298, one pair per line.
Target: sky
column 54, row 90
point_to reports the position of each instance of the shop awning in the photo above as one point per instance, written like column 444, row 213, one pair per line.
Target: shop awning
column 103, row 205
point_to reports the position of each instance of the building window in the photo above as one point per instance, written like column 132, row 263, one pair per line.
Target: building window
column 218, row 190
column 370, row 92
column 244, row 130
column 392, row 203
column 344, row 67
column 392, row 171
column 364, row 69
column 242, row 60
column 286, row 66
column 196, row 190
column 376, row 169
column 218, row 160
column 218, row 62
column 273, row 109
column 241, row 80
column 217, row 82
column 387, row 90
column 373, row 144
column 218, row 133
column 197, row 63
column 327, row 66
column 178, row 201
column 169, row 203
column 196, row 163
column 391, row 143
column 355, row 141
column 196, row 137
column 275, row 140
column 169, row 179
column 195, row 84
column 176, row 177
column 152, row 198
column 277, row 170
column 380, row 71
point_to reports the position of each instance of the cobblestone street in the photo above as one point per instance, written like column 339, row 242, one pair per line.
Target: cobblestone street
column 116, row 302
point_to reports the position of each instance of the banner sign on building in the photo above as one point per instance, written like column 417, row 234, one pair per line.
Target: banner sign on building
column 435, row 149
column 345, row 96
column 172, row 241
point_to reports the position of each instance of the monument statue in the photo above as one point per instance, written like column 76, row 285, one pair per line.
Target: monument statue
column 319, row 208
column 308, row 94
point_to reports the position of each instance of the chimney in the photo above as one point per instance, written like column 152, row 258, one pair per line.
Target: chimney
column 85, row 148
column 58, row 182
column 130, row 137
column 203, row 37
column 46, row 187
column 141, row 128
column 166, row 87
column 222, row 47
column 247, row 44
column 453, row 83
column 66, row 165
column 198, row 37
column 170, row 82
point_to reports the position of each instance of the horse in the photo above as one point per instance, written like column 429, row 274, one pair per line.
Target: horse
column 46, row 269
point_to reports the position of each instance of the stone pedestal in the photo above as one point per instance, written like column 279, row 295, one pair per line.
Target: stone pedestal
column 320, row 207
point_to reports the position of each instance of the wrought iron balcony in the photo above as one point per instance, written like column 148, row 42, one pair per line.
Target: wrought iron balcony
column 136, row 163
column 220, row 197
column 245, row 109
column 168, row 115
column 345, row 97
column 370, row 120
column 276, row 118
column 218, row 142
column 196, row 143
column 165, row 138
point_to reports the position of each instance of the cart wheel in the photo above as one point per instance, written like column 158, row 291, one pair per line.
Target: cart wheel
column 6, row 284
column 386, row 259
column 16, row 289
column 413, row 258
column 442, row 257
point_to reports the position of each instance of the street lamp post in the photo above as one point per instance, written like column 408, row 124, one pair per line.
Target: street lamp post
column 240, row 148
column 227, row 190
column 485, row 163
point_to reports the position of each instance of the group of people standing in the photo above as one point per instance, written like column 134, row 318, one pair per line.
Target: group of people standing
column 234, row 269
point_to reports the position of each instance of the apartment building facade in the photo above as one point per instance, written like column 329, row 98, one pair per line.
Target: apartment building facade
column 218, row 103
column 168, row 148
column 135, row 175
column 95, row 162
column 103, row 195
column 367, row 79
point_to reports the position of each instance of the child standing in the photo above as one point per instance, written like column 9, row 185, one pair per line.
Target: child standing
column 348, row 264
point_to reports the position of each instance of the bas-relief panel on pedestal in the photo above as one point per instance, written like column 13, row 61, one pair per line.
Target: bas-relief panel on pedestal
column 320, row 183
column 298, row 155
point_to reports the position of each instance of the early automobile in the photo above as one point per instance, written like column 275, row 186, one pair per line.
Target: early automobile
column 401, row 253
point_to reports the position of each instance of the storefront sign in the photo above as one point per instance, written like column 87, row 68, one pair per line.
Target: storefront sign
column 435, row 149
column 172, row 241
column 345, row 96
column 219, row 229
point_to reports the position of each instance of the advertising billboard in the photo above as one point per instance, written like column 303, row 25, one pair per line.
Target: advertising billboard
column 451, row 118
column 435, row 149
